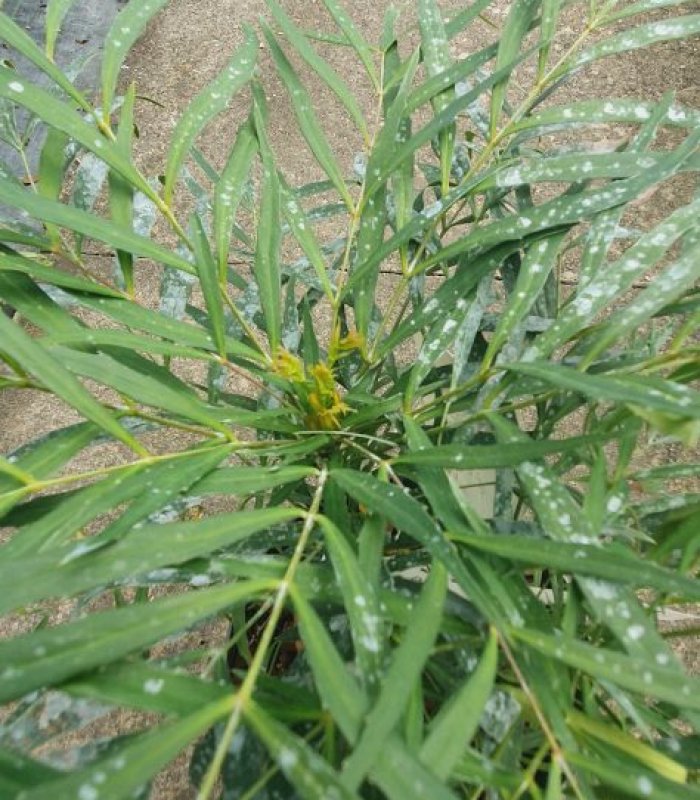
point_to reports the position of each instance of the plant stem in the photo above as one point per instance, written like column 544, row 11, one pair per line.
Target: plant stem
column 245, row 693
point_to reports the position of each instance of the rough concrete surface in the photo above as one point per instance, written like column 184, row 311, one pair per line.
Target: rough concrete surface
column 184, row 48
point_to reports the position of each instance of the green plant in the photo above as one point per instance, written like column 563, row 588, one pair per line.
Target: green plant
column 389, row 635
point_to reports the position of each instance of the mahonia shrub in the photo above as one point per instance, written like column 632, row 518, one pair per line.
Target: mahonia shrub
column 373, row 518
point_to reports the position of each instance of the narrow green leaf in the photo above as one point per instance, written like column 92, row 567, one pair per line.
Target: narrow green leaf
column 229, row 191
column 635, row 674
column 307, row 119
column 354, row 37
column 209, row 281
column 56, row 10
column 102, row 638
column 127, row 684
column 606, row 284
column 303, row 233
column 176, row 398
column 403, row 777
column 338, row 689
column 514, row 29
column 610, row 563
column 36, row 360
column 76, row 567
column 637, row 783
column 663, row 30
column 405, row 669
column 90, row 225
column 128, row 25
column 640, row 390
column 212, row 100
column 135, row 316
column 121, row 193
column 435, row 49
column 266, row 267
column 361, row 604
column 534, row 270
column 322, row 68
column 567, row 209
column 453, row 728
column 666, row 287
column 11, row 33
column 311, row 775
column 593, row 112
column 640, row 7
column 62, row 116
column 500, row 456
column 126, row 769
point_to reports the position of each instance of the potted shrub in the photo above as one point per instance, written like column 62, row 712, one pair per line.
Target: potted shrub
column 298, row 421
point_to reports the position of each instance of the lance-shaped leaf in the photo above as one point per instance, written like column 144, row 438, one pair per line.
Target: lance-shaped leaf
column 37, row 361
column 102, row 638
column 593, row 112
column 300, row 226
column 532, row 277
column 636, row 674
column 127, row 768
column 118, row 237
column 306, row 118
column 146, row 383
column 609, row 563
column 437, row 59
column 354, row 37
column 452, row 729
column 56, row 10
column 637, row 390
column 266, row 267
column 63, row 117
column 229, row 191
column 310, row 774
column 212, row 100
column 361, row 603
column 128, row 25
column 121, row 193
column 642, row 36
column 68, row 570
column 158, row 483
column 209, row 281
column 322, row 68
column 405, row 669
column 11, row 33
column 514, row 29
